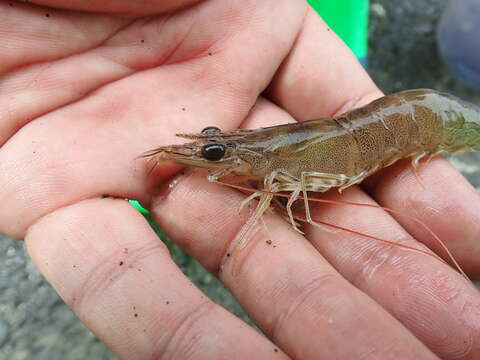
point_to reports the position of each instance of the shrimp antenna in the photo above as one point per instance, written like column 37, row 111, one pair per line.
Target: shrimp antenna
column 392, row 211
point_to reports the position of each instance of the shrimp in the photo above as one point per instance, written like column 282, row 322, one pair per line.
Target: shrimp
column 338, row 152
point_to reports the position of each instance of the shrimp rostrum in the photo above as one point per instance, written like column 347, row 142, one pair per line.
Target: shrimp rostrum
column 321, row 154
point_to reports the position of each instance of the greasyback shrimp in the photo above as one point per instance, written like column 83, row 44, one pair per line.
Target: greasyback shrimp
column 337, row 152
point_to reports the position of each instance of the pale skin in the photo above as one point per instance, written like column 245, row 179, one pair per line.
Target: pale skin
column 82, row 94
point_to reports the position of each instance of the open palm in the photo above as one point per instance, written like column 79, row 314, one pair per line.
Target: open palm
column 87, row 88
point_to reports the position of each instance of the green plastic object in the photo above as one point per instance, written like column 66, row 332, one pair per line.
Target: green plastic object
column 139, row 207
column 349, row 20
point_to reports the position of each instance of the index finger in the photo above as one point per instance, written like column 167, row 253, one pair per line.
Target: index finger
column 321, row 76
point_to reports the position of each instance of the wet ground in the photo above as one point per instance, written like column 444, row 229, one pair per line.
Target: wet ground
column 36, row 324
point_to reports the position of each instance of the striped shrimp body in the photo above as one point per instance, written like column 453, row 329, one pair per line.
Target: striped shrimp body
column 321, row 154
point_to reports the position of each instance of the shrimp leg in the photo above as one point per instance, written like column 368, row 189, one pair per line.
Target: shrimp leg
column 310, row 181
column 320, row 182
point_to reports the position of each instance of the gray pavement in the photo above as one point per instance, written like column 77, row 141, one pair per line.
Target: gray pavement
column 36, row 324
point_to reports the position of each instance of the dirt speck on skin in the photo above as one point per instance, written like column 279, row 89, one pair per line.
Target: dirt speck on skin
column 120, row 263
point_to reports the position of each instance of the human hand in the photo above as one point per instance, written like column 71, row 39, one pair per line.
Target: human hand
column 83, row 94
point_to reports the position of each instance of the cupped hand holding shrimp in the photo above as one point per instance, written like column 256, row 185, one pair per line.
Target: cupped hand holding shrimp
column 82, row 94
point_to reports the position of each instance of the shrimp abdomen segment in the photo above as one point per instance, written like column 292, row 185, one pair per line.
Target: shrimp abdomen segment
column 413, row 124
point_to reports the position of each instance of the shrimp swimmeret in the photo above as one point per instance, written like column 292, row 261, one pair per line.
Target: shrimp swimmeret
column 321, row 154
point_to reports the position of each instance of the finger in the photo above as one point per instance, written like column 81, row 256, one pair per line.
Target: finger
column 289, row 290
column 321, row 76
column 48, row 62
column 33, row 34
column 313, row 306
column 432, row 300
column 125, row 7
column 454, row 216
column 102, row 134
column 106, row 262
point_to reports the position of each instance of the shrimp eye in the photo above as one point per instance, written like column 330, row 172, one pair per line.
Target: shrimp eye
column 211, row 130
column 213, row 152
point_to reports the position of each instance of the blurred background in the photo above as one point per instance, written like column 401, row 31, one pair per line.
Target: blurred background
column 404, row 51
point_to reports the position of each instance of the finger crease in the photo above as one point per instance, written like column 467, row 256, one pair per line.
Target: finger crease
column 108, row 272
column 303, row 296
column 183, row 337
